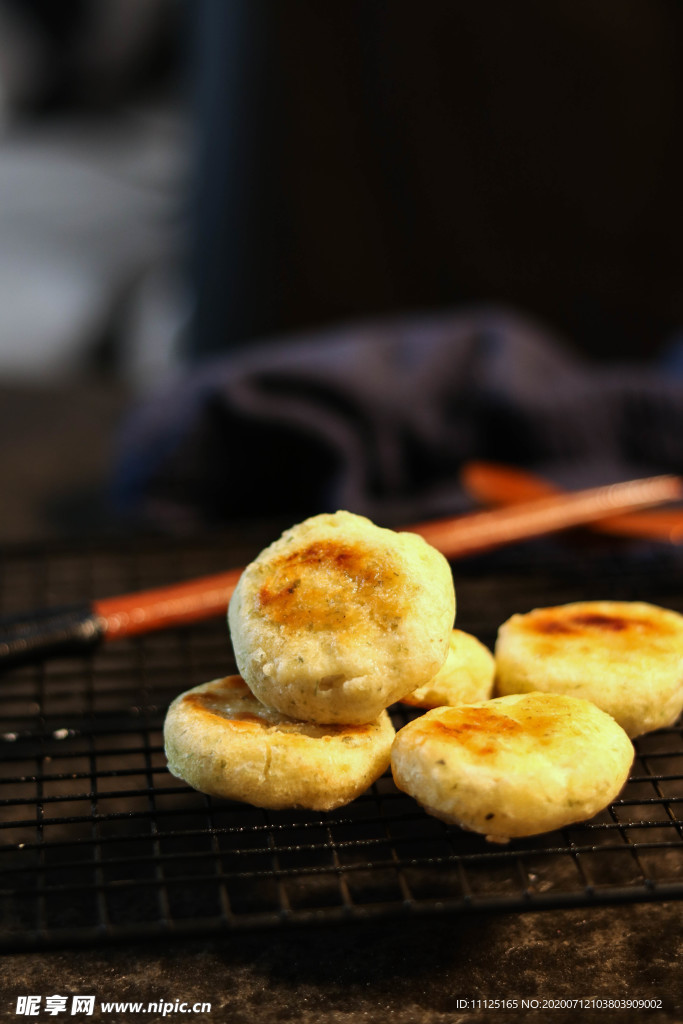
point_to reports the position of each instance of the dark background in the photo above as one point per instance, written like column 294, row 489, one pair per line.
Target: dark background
column 360, row 158
column 179, row 180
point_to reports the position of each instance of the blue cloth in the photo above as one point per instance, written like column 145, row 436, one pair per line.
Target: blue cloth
column 379, row 417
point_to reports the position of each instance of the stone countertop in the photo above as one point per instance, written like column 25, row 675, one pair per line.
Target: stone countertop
column 376, row 973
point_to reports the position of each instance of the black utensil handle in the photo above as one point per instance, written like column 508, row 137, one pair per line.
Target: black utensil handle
column 30, row 637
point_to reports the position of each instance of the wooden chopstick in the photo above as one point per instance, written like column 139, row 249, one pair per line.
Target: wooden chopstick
column 78, row 629
column 494, row 484
column 455, row 537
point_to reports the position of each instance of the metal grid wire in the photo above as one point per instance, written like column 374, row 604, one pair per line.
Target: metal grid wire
column 98, row 841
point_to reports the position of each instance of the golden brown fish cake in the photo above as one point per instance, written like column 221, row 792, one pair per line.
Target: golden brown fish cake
column 222, row 741
column 339, row 618
column 627, row 657
column 465, row 677
column 513, row 766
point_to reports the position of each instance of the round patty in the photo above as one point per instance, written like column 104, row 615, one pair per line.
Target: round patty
column 627, row 657
column 222, row 741
column 339, row 618
column 465, row 677
column 513, row 766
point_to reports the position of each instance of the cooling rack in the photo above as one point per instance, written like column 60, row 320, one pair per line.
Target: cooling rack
column 98, row 842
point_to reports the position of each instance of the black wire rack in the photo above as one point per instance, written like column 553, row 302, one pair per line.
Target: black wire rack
column 99, row 842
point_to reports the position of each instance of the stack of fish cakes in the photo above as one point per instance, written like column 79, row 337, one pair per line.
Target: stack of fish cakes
column 330, row 624
column 339, row 619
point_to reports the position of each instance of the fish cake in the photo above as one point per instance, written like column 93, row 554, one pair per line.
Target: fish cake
column 627, row 657
column 339, row 618
column 222, row 741
column 513, row 766
column 465, row 677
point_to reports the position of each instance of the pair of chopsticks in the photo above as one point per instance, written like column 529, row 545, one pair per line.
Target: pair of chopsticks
column 55, row 631
column 494, row 484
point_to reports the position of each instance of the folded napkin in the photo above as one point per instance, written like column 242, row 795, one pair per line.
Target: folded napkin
column 379, row 417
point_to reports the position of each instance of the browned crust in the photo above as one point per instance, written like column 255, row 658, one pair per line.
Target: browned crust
column 212, row 704
column 476, row 729
column 576, row 622
column 320, row 584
